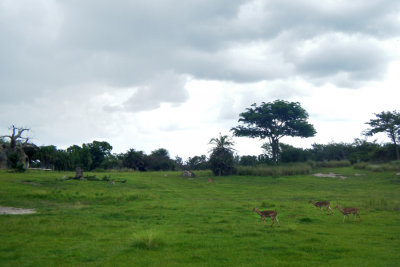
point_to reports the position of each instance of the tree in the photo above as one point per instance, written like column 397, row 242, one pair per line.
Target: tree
column 13, row 150
column 99, row 151
column 389, row 123
column 273, row 121
column 16, row 136
column 159, row 160
column 197, row 163
column 47, row 156
column 293, row 154
column 134, row 160
column 80, row 157
column 221, row 158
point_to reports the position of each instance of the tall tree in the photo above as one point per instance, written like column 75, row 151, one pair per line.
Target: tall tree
column 99, row 150
column 159, row 160
column 134, row 160
column 273, row 121
column 389, row 123
column 221, row 158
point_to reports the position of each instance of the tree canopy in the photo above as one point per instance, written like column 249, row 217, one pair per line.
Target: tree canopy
column 389, row 123
column 273, row 121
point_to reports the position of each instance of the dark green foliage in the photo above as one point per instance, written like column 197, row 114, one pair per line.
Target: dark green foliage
column 98, row 151
column 248, row 160
column 221, row 158
column 197, row 163
column 47, row 155
column 290, row 153
column 331, row 151
column 159, row 160
column 134, row 160
column 14, row 162
column 222, row 162
column 273, row 121
column 389, row 123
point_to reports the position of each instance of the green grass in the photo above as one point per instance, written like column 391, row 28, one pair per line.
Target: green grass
column 161, row 219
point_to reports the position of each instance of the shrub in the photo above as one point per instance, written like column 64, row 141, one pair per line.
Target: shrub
column 14, row 163
column 222, row 162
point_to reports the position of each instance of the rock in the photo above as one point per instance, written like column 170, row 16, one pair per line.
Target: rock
column 188, row 174
column 78, row 173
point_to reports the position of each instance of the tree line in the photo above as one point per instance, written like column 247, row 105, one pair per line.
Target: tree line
column 270, row 121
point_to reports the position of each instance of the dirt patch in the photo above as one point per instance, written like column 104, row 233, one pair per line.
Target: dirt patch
column 15, row 211
column 330, row 175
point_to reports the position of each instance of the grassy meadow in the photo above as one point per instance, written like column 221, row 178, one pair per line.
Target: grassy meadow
column 161, row 219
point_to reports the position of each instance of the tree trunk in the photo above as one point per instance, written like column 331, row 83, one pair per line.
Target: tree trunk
column 393, row 136
column 275, row 150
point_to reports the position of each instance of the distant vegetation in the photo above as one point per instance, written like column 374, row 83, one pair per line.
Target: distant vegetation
column 97, row 156
column 270, row 121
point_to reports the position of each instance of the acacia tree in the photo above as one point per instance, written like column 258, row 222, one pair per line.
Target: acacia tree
column 273, row 121
column 389, row 123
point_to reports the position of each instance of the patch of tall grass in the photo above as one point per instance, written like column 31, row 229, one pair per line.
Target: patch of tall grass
column 391, row 166
column 333, row 164
column 282, row 170
column 147, row 240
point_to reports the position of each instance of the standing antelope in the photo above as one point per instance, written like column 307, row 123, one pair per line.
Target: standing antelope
column 268, row 213
column 347, row 211
column 321, row 204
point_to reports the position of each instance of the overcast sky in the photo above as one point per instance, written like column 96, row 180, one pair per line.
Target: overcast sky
column 173, row 74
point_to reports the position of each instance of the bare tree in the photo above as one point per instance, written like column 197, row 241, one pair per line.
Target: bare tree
column 16, row 136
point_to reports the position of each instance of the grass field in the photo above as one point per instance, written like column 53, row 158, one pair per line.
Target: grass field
column 161, row 219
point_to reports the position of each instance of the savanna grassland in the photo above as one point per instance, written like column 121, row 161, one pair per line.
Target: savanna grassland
column 161, row 219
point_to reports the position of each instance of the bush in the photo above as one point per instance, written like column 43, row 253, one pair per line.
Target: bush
column 222, row 161
column 14, row 163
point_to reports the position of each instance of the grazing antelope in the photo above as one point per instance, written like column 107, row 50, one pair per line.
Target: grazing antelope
column 321, row 204
column 210, row 180
column 347, row 211
column 268, row 213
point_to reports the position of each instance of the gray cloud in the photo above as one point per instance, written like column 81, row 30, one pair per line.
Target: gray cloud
column 164, row 88
column 50, row 45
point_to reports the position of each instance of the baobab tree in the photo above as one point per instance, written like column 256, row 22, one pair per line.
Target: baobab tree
column 16, row 137
column 13, row 153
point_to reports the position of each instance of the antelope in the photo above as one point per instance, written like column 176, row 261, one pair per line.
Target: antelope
column 347, row 211
column 210, row 180
column 268, row 213
column 321, row 204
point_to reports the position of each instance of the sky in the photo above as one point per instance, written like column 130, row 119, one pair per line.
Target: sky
column 173, row 74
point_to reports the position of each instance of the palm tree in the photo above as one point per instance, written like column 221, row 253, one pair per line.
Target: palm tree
column 222, row 142
column 221, row 159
